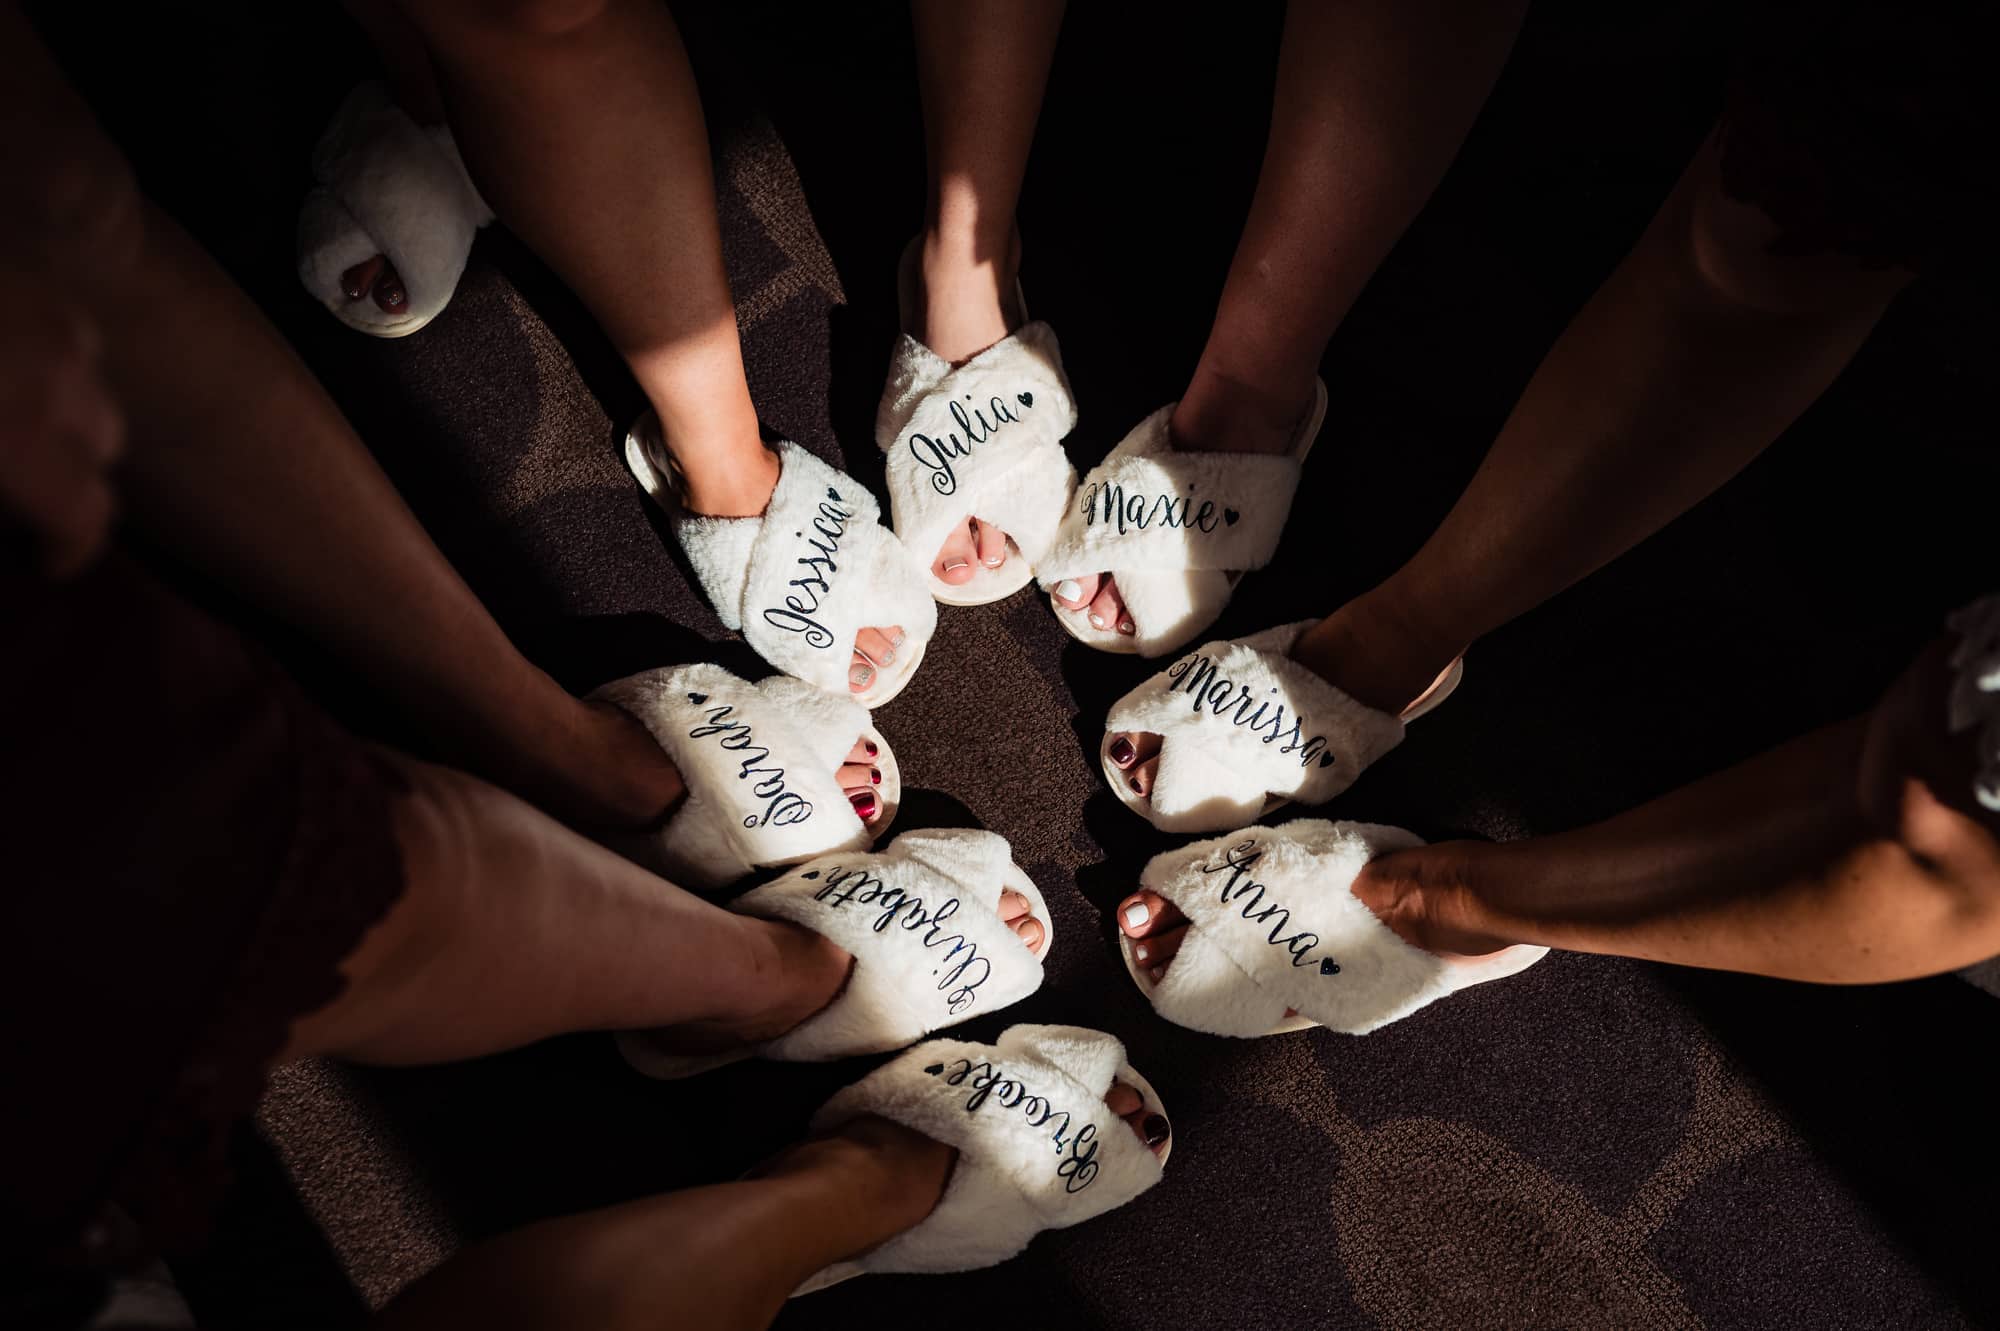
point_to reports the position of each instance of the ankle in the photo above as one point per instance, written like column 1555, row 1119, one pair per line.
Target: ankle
column 1378, row 651
column 796, row 974
column 1226, row 413
column 888, row 1177
column 1423, row 895
column 634, row 784
column 962, row 292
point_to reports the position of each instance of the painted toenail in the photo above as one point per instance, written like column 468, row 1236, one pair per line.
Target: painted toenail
column 1069, row 589
column 896, row 642
column 1133, row 782
column 860, row 675
column 864, row 804
column 888, row 655
column 1158, row 973
column 1096, row 620
column 1141, row 954
column 875, row 776
column 996, row 561
column 872, row 750
column 1136, row 915
column 954, row 566
column 1156, row 1129
column 1122, row 751
column 1124, row 626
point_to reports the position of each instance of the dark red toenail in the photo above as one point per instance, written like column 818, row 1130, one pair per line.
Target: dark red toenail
column 1155, row 1129
column 875, row 775
column 864, row 804
column 1122, row 751
column 1133, row 782
column 872, row 750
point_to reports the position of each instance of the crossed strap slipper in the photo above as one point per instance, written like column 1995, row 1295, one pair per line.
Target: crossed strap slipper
column 921, row 920
column 387, row 186
column 981, row 439
column 1245, row 730
column 1274, row 926
column 801, row 579
column 1037, row 1146
column 1177, row 530
column 759, row 761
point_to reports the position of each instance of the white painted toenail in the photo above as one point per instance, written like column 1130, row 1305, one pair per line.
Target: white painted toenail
column 954, row 566
column 1158, row 973
column 1124, row 626
column 1141, row 954
column 860, row 675
column 1096, row 620
column 1069, row 589
column 1136, row 915
column 995, row 561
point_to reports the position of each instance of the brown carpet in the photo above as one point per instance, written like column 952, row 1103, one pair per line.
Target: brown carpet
column 1597, row 1144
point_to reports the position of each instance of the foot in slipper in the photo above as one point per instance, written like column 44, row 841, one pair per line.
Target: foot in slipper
column 384, row 234
column 1266, row 931
column 775, row 772
column 973, row 430
column 991, row 1144
column 793, row 554
column 1234, row 730
column 1159, row 534
column 940, row 927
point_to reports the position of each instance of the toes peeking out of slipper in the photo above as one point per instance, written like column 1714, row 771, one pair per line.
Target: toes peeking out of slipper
column 921, row 920
column 801, row 579
column 1274, row 926
column 386, row 186
column 1178, row 530
column 1244, row 730
column 1038, row 1148
column 759, row 761
column 981, row 439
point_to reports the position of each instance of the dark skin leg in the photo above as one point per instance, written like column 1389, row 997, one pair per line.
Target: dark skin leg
column 1694, row 355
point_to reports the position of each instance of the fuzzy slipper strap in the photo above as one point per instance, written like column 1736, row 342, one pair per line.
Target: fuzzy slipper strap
column 921, row 921
column 1038, row 1147
column 982, row 439
column 802, row 579
column 1240, row 721
column 387, row 186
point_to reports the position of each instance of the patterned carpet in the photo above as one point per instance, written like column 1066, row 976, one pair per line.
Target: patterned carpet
column 1596, row 1144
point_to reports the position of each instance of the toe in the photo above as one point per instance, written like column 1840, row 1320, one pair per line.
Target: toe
column 1076, row 593
column 359, row 280
column 1118, row 616
column 1140, row 777
column 1155, row 952
column 873, row 649
column 857, row 777
column 1129, row 748
column 1124, row 1100
column 1105, row 607
column 990, row 543
column 954, row 560
column 863, row 754
column 1149, row 1125
column 867, row 805
column 1013, row 905
column 1030, row 931
column 389, row 292
column 1144, row 913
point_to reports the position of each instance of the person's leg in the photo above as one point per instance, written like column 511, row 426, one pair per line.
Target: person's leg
column 718, row 1258
column 1372, row 102
column 406, row 70
column 981, row 68
column 1694, row 355
column 1854, row 854
column 512, row 928
column 581, row 123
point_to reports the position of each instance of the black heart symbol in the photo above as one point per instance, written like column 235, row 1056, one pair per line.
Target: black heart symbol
column 1329, row 967
column 697, row 698
column 934, row 1069
column 1326, row 760
column 832, row 493
column 1229, row 516
column 813, row 874
column 1025, row 399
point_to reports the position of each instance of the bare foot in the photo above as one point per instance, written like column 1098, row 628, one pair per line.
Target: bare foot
column 378, row 280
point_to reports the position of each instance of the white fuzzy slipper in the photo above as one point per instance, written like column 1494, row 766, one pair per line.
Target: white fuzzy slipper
column 759, row 761
column 1177, row 530
column 387, row 186
column 1037, row 1146
column 1245, row 730
column 803, row 578
column 981, row 439
column 1273, row 923
column 921, row 920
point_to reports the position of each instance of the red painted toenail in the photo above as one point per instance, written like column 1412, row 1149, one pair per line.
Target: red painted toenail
column 1156, row 1129
column 875, row 775
column 1122, row 751
column 864, row 804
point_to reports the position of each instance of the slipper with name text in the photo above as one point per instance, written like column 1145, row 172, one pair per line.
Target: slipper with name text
column 1176, row 529
column 1037, row 1146
column 979, row 439
column 387, row 186
column 921, row 920
column 1274, row 928
column 806, row 575
column 1245, row 730
column 759, row 762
